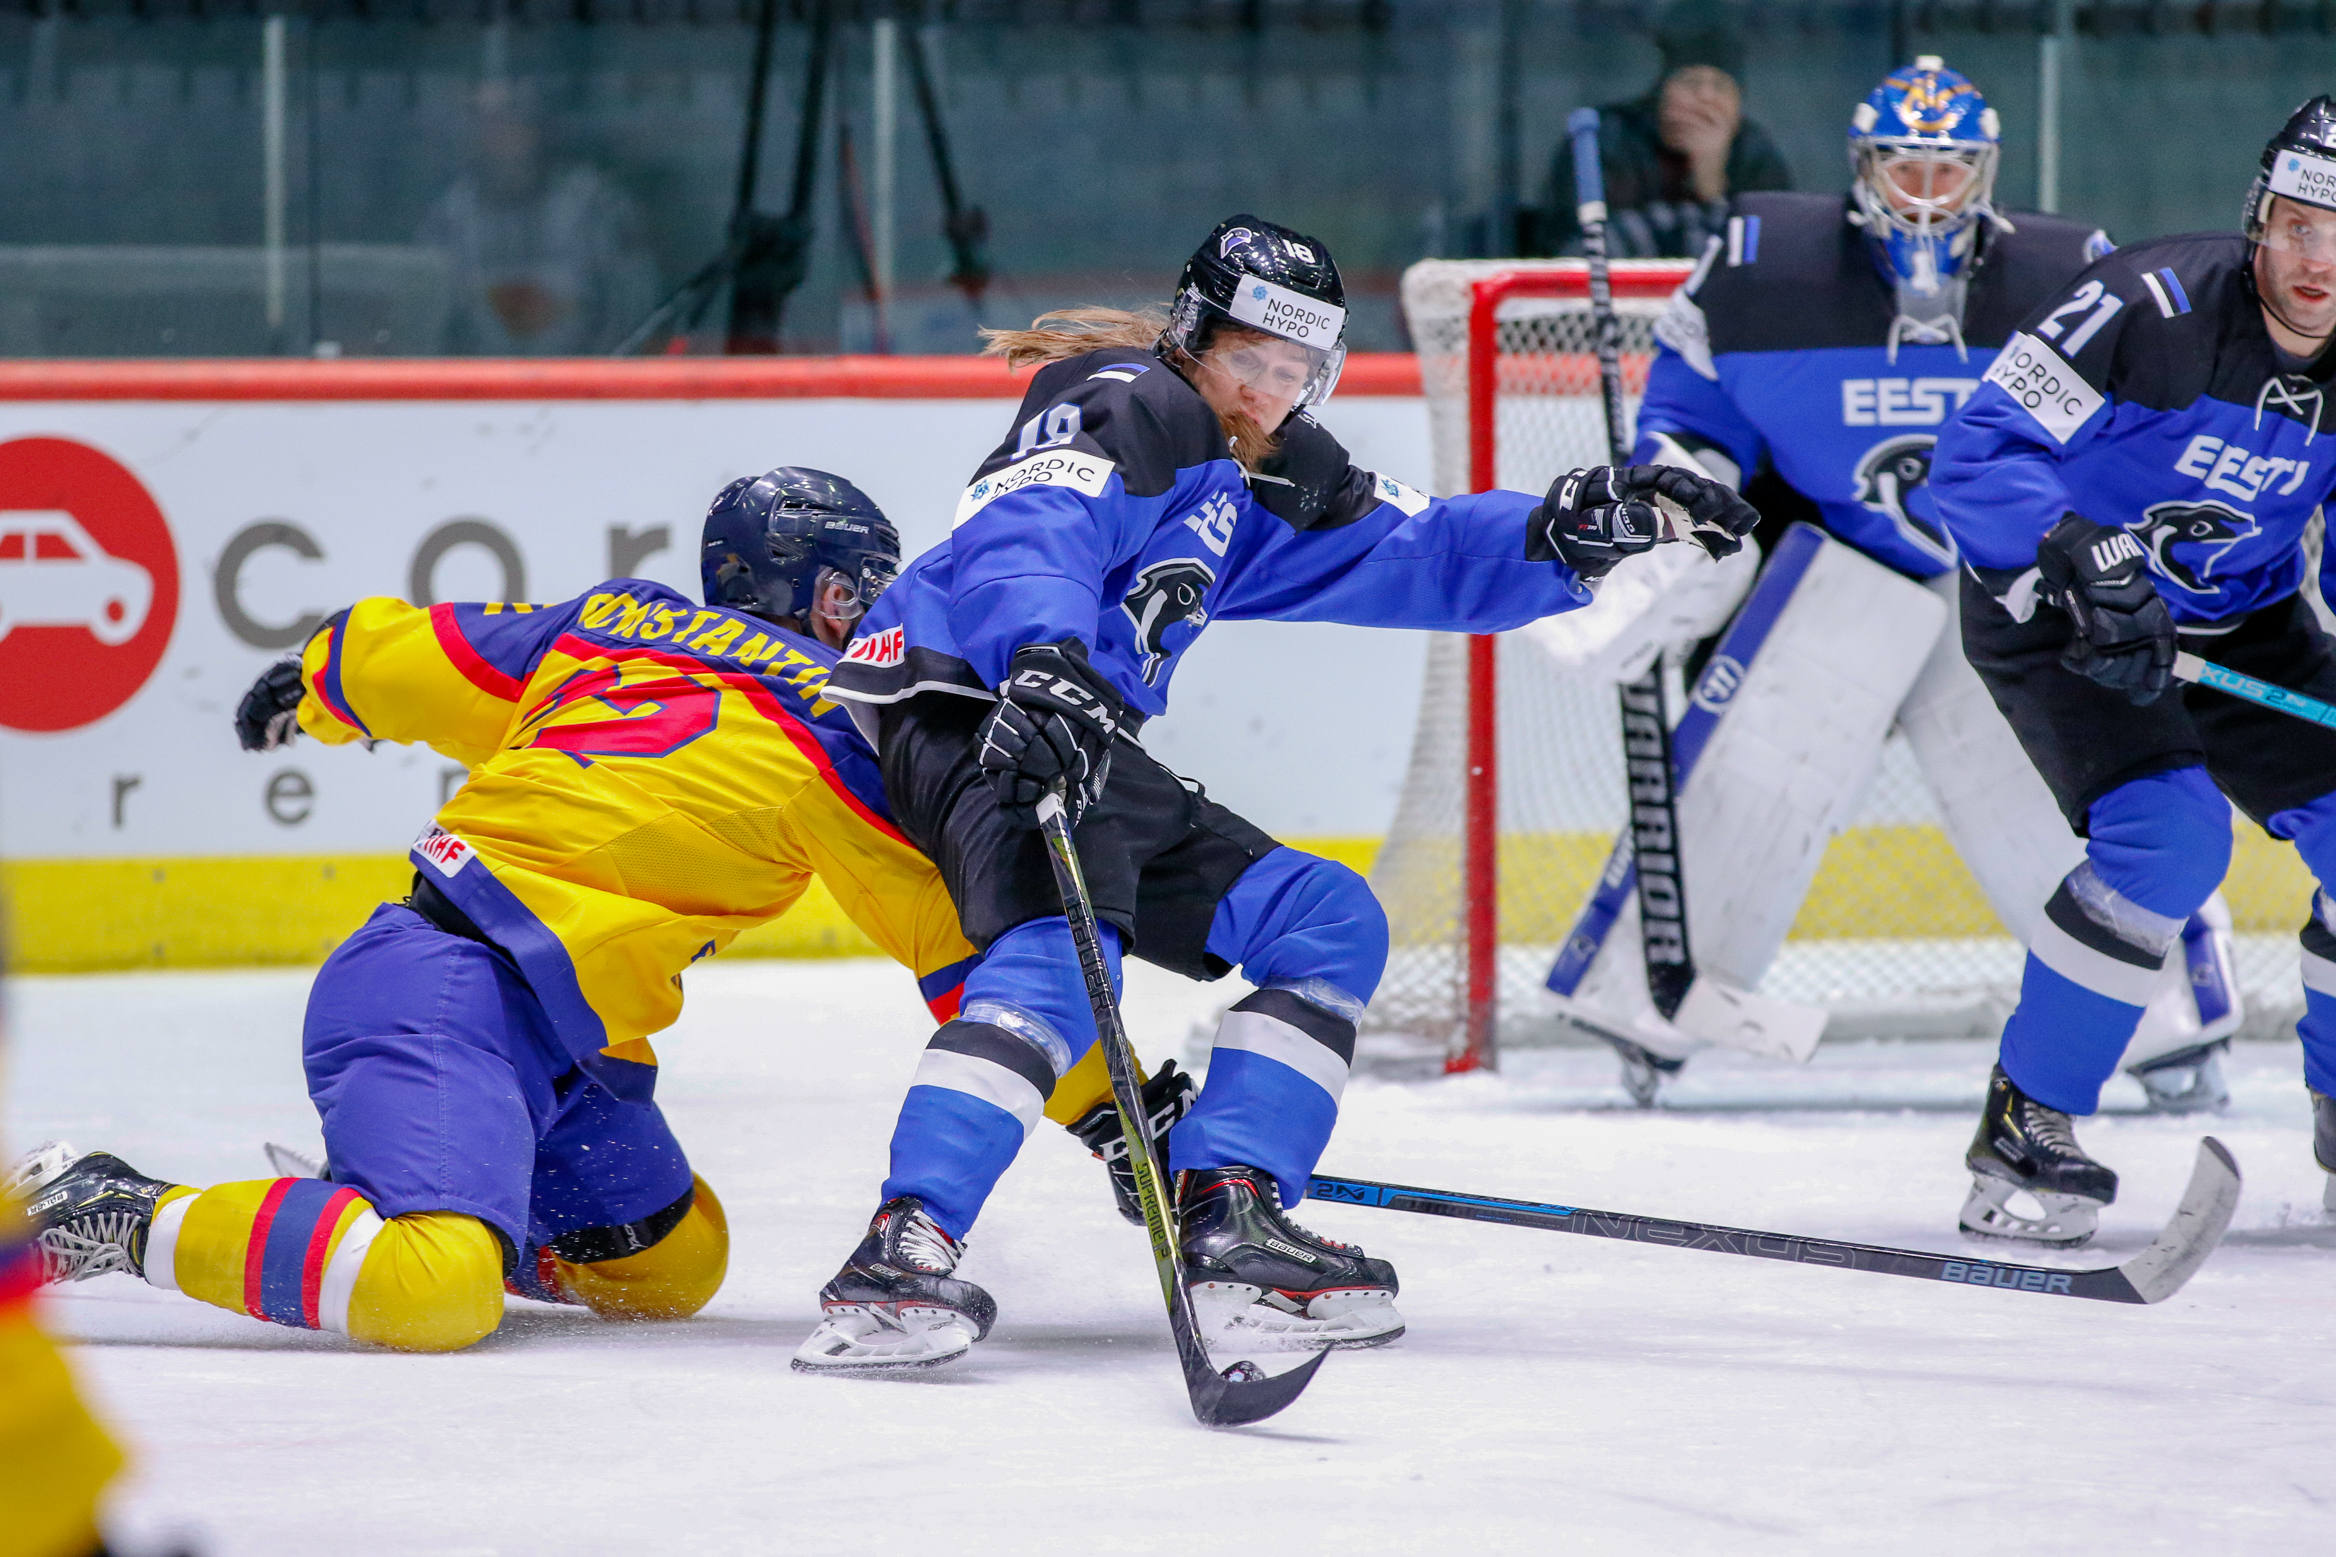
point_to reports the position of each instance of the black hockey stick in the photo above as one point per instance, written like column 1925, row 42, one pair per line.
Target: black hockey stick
column 1646, row 725
column 2151, row 1276
column 1243, row 1392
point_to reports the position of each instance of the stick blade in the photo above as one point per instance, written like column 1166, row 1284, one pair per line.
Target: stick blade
column 2199, row 1222
column 1219, row 1401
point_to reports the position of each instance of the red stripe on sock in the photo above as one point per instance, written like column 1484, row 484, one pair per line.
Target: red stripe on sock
column 320, row 1244
column 255, row 1253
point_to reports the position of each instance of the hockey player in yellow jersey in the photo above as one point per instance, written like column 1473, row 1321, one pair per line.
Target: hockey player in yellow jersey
column 649, row 777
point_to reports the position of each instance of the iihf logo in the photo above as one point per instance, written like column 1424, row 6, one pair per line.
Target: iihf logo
column 1722, row 679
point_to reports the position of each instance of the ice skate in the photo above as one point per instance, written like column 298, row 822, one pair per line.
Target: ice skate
column 2187, row 1081
column 895, row 1305
column 90, row 1211
column 1168, row 1097
column 1643, row 1070
column 2024, row 1147
column 1253, row 1270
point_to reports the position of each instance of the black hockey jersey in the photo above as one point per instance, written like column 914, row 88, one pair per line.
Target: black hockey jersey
column 2146, row 394
column 1775, row 352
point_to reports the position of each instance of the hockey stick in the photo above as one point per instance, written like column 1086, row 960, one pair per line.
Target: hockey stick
column 2263, row 694
column 1243, row 1392
column 1646, row 725
column 2151, row 1276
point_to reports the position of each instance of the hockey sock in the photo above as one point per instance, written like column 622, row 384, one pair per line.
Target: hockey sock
column 1310, row 933
column 2313, row 829
column 54, row 1460
column 314, row 1255
column 2064, row 1040
column 671, row 1279
column 985, row 1079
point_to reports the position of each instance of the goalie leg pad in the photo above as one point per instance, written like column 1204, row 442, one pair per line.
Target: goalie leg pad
column 1776, row 749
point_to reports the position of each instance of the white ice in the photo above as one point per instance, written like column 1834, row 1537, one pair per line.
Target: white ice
column 1554, row 1393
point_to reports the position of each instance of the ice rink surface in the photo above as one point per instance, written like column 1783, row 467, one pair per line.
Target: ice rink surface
column 1553, row 1394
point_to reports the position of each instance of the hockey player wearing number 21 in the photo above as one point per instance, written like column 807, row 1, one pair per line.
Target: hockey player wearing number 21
column 1161, row 473
column 649, row 778
column 1828, row 340
column 2133, row 478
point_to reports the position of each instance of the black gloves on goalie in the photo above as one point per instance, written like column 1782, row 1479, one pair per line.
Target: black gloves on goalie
column 2124, row 635
column 268, row 716
column 1054, row 721
column 1594, row 518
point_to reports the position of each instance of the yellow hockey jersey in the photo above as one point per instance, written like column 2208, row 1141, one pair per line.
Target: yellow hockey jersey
column 649, row 777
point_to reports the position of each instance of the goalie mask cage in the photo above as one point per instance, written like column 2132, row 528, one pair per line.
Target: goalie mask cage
column 1514, row 791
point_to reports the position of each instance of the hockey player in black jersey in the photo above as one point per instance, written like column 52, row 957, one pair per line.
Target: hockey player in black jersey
column 1812, row 358
column 1161, row 474
column 2135, row 475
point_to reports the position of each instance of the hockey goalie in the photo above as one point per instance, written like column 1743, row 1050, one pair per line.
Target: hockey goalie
column 1826, row 341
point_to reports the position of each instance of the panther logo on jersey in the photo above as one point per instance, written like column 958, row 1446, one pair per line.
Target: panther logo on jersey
column 1886, row 481
column 1166, row 594
column 2205, row 530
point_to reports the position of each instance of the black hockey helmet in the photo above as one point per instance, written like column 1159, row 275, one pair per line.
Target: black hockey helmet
column 1256, row 276
column 771, row 539
column 2299, row 163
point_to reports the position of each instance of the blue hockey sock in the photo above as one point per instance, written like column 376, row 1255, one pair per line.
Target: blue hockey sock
column 2065, row 1039
column 985, row 1078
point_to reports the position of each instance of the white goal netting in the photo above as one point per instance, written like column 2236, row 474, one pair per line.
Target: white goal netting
column 1895, row 937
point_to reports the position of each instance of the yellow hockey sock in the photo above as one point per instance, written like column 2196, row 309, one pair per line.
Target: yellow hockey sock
column 671, row 1279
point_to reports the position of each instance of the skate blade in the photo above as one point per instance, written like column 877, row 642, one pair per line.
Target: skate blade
column 1233, row 1315
column 860, row 1342
column 286, row 1163
column 2068, row 1222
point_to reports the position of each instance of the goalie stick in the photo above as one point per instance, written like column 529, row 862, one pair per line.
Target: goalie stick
column 1699, row 1007
column 2151, row 1276
column 1242, row 1392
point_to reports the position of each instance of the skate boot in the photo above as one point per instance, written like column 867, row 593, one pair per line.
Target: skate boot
column 1254, row 1272
column 2024, row 1146
column 2324, row 1145
column 90, row 1212
column 2187, row 1081
column 1168, row 1097
column 895, row 1304
column 1643, row 1070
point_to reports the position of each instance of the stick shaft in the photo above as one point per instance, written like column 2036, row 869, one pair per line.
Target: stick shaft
column 2263, row 694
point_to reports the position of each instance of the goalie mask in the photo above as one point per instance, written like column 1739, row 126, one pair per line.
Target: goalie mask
column 1924, row 146
column 773, row 540
column 1252, row 275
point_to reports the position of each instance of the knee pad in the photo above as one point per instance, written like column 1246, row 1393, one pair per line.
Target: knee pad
column 432, row 1282
column 671, row 1279
column 1295, row 916
column 2163, row 841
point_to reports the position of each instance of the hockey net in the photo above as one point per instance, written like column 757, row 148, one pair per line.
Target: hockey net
column 1514, row 793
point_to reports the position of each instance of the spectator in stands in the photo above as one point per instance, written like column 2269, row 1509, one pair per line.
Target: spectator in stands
column 1674, row 156
column 546, row 260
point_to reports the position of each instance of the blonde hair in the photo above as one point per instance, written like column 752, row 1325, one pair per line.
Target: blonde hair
column 1073, row 332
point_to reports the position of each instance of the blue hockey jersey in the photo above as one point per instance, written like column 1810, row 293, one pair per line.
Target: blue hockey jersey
column 1113, row 513
column 2146, row 394
column 1774, row 354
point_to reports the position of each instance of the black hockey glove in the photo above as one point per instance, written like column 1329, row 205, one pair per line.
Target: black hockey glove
column 1168, row 1097
column 1054, row 720
column 1594, row 518
column 2124, row 635
column 1309, row 482
column 268, row 716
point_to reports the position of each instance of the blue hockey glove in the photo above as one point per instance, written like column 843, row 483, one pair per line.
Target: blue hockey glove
column 2124, row 635
column 1054, row 720
column 268, row 716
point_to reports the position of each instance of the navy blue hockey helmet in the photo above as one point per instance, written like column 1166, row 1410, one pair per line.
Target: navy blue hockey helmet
column 772, row 538
column 1924, row 146
column 1255, row 275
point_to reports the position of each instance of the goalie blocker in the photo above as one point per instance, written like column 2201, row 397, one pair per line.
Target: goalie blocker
column 1775, row 753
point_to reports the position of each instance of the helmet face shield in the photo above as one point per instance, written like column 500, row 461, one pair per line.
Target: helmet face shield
column 1923, row 190
column 2307, row 231
column 1278, row 295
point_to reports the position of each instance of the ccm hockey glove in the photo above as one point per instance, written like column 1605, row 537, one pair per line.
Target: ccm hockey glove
column 268, row 716
column 2124, row 635
column 1054, row 721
